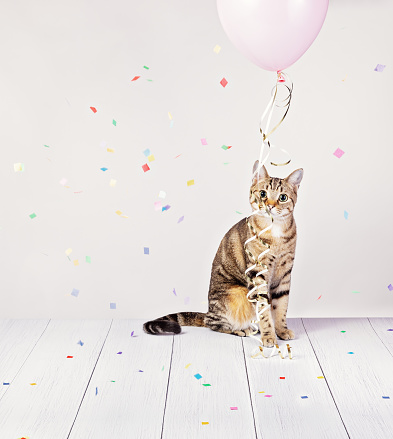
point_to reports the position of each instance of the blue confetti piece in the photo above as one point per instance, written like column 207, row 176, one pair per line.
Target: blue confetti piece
column 167, row 207
column 75, row 292
column 112, row 305
column 198, row 376
column 96, row 390
column 80, row 342
column 304, row 397
column 390, row 287
column 146, row 250
column 345, row 214
column 140, row 370
column 119, row 353
column 104, row 169
column 350, row 352
column 379, row 68
column 6, row 384
column 386, row 397
column 146, row 152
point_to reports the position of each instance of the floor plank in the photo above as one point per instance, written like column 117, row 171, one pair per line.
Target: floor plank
column 47, row 409
column 358, row 380
column 17, row 340
column 131, row 386
column 219, row 359
column 280, row 411
column 381, row 327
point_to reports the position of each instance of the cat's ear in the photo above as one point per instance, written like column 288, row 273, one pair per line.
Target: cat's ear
column 295, row 178
column 256, row 176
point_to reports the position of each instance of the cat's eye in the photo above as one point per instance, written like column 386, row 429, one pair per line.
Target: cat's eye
column 283, row 198
column 263, row 194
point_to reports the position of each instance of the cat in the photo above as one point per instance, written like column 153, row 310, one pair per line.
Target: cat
column 230, row 311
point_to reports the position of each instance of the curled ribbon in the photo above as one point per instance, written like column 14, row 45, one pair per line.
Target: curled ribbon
column 255, row 295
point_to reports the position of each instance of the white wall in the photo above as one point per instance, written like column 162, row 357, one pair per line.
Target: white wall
column 60, row 58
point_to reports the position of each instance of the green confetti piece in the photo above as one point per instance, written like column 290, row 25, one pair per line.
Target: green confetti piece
column 114, row 122
column 343, row 331
column 356, row 292
column 150, row 80
column 162, row 368
column 238, row 212
column 227, row 163
column 206, row 385
column 32, row 216
column 47, row 146
column 224, row 147
column 88, row 259
column 145, row 67
column 113, row 381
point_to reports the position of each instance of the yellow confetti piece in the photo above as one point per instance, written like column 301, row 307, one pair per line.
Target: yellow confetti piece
column 19, row 167
column 110, row 149
column 151, row 158
column 321, row 377
column 76, row 262
column 68, row 251
column 188, row 365
column 204, row 423
column 190, row 182
column 261, row 392
column 119, row 212
column 112, row 183
column 170, row 116
column 33, row 384
column 217, row 49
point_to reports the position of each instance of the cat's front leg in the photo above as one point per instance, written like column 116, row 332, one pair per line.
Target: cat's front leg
column 266, row 326
column 279, row 311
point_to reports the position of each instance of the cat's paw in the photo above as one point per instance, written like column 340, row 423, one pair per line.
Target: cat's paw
column 285, row 334
column 244, row 332
column 268, row 341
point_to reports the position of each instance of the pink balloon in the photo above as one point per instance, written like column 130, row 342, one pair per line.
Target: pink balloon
column 273, row 34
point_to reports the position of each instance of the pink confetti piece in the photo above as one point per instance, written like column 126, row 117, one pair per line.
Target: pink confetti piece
column 186, row 301
column 157, row 205
column 268, row 396
column 319, row 297
column 177, row 156
column 135, row 78
column 145, row 167
column 233, row 408
column 224, row 82
column 338, row 153
column 93, row 109
column 63, row 181
column 203, row 141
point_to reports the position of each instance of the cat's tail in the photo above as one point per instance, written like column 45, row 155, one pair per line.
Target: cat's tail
column 172, row 323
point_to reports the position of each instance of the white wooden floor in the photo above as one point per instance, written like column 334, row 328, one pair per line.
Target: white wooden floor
column 199, row 384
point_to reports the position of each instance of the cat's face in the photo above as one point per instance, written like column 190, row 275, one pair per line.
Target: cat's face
column 278, row 194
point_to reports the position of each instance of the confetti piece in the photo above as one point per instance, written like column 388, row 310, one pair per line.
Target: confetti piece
column 140, row 370
column 356, row 292
column 282, row 378
column 304, row 397
column 75, row 292
column 114, row 122
column 198, row 376
column 113, row 381
column 386, row 397
column 186, row 301
column 224, row 82
column 68, row 251
column 19, row 167
column 119, row 212
column 157, row 205
column 379, row 68
column 145, row 167
column 262, row 392
column 233, row 408
column 338, row 153
column 190, row 182
column 110, row 149
column 6, row 384
column 170, row 116
column 146, row 250
column 76, row 262
column 112, row 305
column 32, row 215
column 238, row 212
column 171, row 124
column 104, row 169
column 390, row 329
column 167, row 207
column 319, row 297
column 119, row 353
column 96, row 390
column 188, row 365
column 132, row 334
column 146, row 152
column 180, row 219
column 225, row 147
column 345, row 214
column 46, row 146
column 177, row 156
column 206, row 385
column 112, row 183
column 203, row 141
column 321, row 377
column 145, row 67
column 217, row 49
column 268, row 396
column 34, row 384
column 80, row 342
column 162, row 369
column 174, row 292
column 350, row 352
column 70, row 356
column 135, row 78
column 88, row 259
column 63, row 181
column 93, row 109
column 151, row 158
column 162, row 194
column 343, row 331
column 390, row 287
column 205, row 423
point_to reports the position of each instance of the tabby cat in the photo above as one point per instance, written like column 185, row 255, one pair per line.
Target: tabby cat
column 230, row 311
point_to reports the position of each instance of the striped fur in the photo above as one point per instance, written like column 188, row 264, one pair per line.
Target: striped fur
column 229, row 310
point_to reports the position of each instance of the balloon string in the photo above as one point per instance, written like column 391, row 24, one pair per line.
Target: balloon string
column 255, row 295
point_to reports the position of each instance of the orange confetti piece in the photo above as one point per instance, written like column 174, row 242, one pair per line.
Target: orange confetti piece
column 224, row 82
column 145, row 167
column 135, row 78
column 93, row 109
